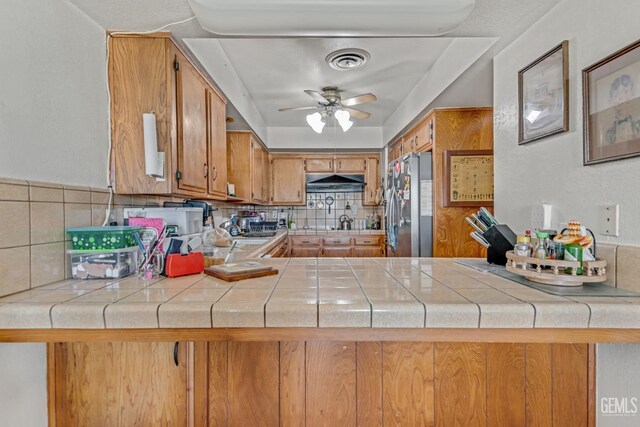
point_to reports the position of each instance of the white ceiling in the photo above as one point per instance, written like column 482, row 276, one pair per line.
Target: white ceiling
column 276, row 71
column 272, row 73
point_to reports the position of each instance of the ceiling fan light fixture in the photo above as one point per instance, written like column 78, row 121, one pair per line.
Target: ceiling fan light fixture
column 343, row 117
column 316, row 121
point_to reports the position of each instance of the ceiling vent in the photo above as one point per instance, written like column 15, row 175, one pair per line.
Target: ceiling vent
column 347, row 59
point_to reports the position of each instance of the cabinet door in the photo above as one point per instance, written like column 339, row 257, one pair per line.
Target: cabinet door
column 192, row 128
column 217, row 146
column 408, row 143
column 424, row 135
column 371, row 181
column 350, row 165
column 305, row 252
column 367, row 251
column 395, row 150
column 288, row 180
column 266, row 176
column 319, row 165
column 257, row 174
column 336, row 252
column 120, row 383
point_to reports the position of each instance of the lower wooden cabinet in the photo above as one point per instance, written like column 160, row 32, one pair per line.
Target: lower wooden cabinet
column 118, row 384
column 323, row 383
column 337, row 246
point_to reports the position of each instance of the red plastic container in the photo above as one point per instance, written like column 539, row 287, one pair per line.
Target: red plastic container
column 178, row 265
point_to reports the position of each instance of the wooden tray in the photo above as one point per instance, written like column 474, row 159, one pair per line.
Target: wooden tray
column 531, row 269
column 241, row 271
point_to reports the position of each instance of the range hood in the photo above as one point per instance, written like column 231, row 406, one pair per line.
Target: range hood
column 332, row 183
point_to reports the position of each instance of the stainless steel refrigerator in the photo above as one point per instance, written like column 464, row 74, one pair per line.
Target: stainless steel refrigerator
column 409, row 211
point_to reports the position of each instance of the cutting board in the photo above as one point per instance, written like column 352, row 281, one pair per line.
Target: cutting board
column 240, row 271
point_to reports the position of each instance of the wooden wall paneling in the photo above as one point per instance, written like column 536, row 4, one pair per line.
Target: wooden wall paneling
column 506, row 385
column 457, row 129
column 369, row 384
column 409, row 384
column 253, row 390
column 570, row 382
column 218, row 381
column 292, row 383
column 331, row 383
column 460, row 384
column 538, row 385
column 137, row 73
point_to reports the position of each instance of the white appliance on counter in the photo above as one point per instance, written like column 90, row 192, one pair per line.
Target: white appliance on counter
column 188, row 220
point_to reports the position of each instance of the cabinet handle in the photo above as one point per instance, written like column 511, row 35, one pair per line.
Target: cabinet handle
column 298, row 193
column 306, row 241
column 214, row 172
column 175, row 354
column 339, row 165
column 416, row 141
column 206, row 170
column 331, row 164
column 366, row 241
column 336, row 241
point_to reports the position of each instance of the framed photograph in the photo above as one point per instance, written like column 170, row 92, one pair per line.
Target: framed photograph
column 611, row 107
column 543, row 95
column 468, row 178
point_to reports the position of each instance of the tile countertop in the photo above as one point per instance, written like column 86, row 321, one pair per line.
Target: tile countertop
column 323, row 292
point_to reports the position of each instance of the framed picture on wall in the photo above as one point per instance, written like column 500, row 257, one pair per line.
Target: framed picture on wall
column 543, row 95
column 468, row 178
column 611, row 91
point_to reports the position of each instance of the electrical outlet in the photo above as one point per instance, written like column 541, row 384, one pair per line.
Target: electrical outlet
column 610, row 220
column 541, row 217
column 274, row 214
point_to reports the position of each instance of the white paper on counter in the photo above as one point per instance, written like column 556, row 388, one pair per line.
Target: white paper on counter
column 426, row 197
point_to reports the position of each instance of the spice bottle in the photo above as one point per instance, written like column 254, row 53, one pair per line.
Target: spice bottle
column 541, row 247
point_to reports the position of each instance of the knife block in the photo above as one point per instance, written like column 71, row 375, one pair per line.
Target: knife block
column 502, row 239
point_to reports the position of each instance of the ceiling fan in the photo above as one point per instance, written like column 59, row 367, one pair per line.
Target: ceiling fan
column 330, row 103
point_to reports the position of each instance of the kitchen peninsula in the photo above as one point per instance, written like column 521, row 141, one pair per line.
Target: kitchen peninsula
column 326, row 341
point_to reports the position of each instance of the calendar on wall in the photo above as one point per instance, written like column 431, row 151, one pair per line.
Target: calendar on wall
column 468, row 179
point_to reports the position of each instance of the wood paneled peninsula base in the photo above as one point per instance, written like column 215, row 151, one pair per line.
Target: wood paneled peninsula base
column 329, row 341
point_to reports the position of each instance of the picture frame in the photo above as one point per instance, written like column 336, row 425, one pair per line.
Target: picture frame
column 543, row 95
column 468, row 178
column 611, row 107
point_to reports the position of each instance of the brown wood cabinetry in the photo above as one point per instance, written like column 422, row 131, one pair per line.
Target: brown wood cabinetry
column 248, row 167
column 319, row 164
column 118, row 384
column 151, row 74
column 395, row 149
column 337, row 245
column 217, row 146
column 350, row 164
column 369, row 383
column 372, row 180
column 192, row 168
column 288, row 184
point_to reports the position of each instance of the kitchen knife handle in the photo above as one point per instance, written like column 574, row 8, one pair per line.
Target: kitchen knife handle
column 473, row 224
column 475, row 236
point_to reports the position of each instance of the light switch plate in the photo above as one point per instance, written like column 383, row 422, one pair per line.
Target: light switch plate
column 610, row 220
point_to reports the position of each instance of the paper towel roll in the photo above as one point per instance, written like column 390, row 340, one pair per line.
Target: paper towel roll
column 150, row 144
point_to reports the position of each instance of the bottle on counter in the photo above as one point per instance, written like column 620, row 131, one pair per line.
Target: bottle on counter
column 573, row 252
column 523, row 246
column 541, row 247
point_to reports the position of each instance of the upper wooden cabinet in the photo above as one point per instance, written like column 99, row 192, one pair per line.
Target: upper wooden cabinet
column 395, row 149
column 350, row 164
column 248, row 167
column 150, row 74
column 217, row 146
column 288, row 183
column 372, row 180
column 319, row 164
column 192, row 167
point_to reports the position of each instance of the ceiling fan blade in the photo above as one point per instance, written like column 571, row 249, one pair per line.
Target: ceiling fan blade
column 362, row 115
column 299, row 108
column 360, row 99
column 317, row 96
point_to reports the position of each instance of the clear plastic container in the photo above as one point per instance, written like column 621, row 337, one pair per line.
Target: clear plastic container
column 114, row 264
column 102, row 238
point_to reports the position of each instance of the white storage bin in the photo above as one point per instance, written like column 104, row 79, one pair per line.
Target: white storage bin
column 114, row 264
